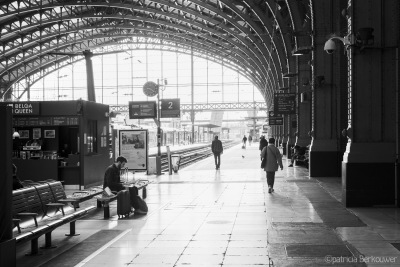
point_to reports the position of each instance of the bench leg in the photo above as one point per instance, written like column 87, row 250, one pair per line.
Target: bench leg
column 75, row 205
column 72, row 229
column 47, row 243
column 106, row 211
column 16, row 224
column 34, row 248
column 144, row 193
column 99, row 204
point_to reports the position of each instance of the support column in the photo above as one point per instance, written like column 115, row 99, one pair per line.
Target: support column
column 325, row 154
column 368, row 167
column 7, row 243
column 303, row 103
column 285, row 134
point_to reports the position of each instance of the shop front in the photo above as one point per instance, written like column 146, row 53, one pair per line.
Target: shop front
column 61, row 140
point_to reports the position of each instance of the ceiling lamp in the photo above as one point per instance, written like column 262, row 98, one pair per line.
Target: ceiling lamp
column 303, row 50
column 283, row 88
column 289, row 75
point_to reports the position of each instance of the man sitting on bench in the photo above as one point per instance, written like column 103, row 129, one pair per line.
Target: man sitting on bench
column 112, row 177
column 297, row 154
column 112, row 180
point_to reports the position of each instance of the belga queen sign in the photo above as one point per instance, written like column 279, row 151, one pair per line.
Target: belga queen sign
column 25, row 108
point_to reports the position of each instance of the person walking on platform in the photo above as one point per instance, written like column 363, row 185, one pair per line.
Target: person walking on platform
column 263, row 142
column 217, row 149
column 250, row 139
column 244, row 141
column 273, row 159
column 112, row 177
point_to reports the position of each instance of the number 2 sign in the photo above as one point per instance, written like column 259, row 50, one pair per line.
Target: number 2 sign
column 170, row 108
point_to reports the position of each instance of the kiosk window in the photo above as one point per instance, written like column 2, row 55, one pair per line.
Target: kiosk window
column 91, row 136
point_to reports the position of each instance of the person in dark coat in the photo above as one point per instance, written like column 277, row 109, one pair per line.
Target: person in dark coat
column 217, row 149
column 273, row 161
column 112, row 177
column 244, row 140
column 263, row 142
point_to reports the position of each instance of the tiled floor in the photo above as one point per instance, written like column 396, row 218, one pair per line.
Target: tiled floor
column 204, row 217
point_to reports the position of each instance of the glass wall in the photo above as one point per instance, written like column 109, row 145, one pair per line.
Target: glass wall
column 119, row 78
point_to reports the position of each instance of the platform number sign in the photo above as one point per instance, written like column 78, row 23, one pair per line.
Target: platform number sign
column 171, row 108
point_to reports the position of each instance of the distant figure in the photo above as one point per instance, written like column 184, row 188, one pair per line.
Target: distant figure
column 244, row 141
column 112, row 177
column 298, row 154
column 250, row 139
column 263, row 142
column 217, row 150
column 16, row 182
column 274, row 158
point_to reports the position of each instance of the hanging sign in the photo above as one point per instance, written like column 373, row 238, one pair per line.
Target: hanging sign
column 142, row 110
column 171, row 108
column 284, row 103
column 274, row 119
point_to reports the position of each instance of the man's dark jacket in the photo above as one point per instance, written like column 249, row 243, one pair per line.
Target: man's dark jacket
column 112, row 179
column 216, row 147
column 263, row 143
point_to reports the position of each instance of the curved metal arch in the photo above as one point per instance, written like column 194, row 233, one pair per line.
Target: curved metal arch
column 36, row 54
column 257, row 30
column 178, row 18
column 44, row 52
column 254, row 44
column 209, row 39
column 126, row 6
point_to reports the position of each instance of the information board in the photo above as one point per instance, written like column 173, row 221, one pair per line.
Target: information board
column 274, row 119
column 142, row 109
column 133, row 145
column 171, row 108
column 284, row 103
column 45, row 121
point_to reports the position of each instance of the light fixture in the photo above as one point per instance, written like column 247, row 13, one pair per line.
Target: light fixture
column 289, row 75
column 302, row 50
column 15, row 135
column 330, row 45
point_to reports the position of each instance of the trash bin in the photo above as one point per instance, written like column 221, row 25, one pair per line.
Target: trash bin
column 175, row 161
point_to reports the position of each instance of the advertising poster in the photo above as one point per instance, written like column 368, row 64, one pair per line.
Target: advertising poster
column 133, row 146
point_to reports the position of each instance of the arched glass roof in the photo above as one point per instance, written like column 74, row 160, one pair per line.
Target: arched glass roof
column 256, row 37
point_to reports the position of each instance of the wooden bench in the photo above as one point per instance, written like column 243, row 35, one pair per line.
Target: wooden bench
column 36, row 199
column 39, row 197
column 47, row 229
column 59, row 195
column 26, row 203
column 104, row 201
column 48, row 199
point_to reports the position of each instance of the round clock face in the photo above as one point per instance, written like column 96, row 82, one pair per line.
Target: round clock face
column 150, row 89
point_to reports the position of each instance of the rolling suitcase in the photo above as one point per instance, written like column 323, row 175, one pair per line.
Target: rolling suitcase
column 123, row 203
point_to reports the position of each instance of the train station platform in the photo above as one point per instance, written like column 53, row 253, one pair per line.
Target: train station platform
column 206, row 217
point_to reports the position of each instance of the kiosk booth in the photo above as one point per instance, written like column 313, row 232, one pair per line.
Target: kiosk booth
column 61, row 140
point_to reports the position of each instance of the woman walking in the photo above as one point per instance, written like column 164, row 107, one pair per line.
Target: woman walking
column 273, row 159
